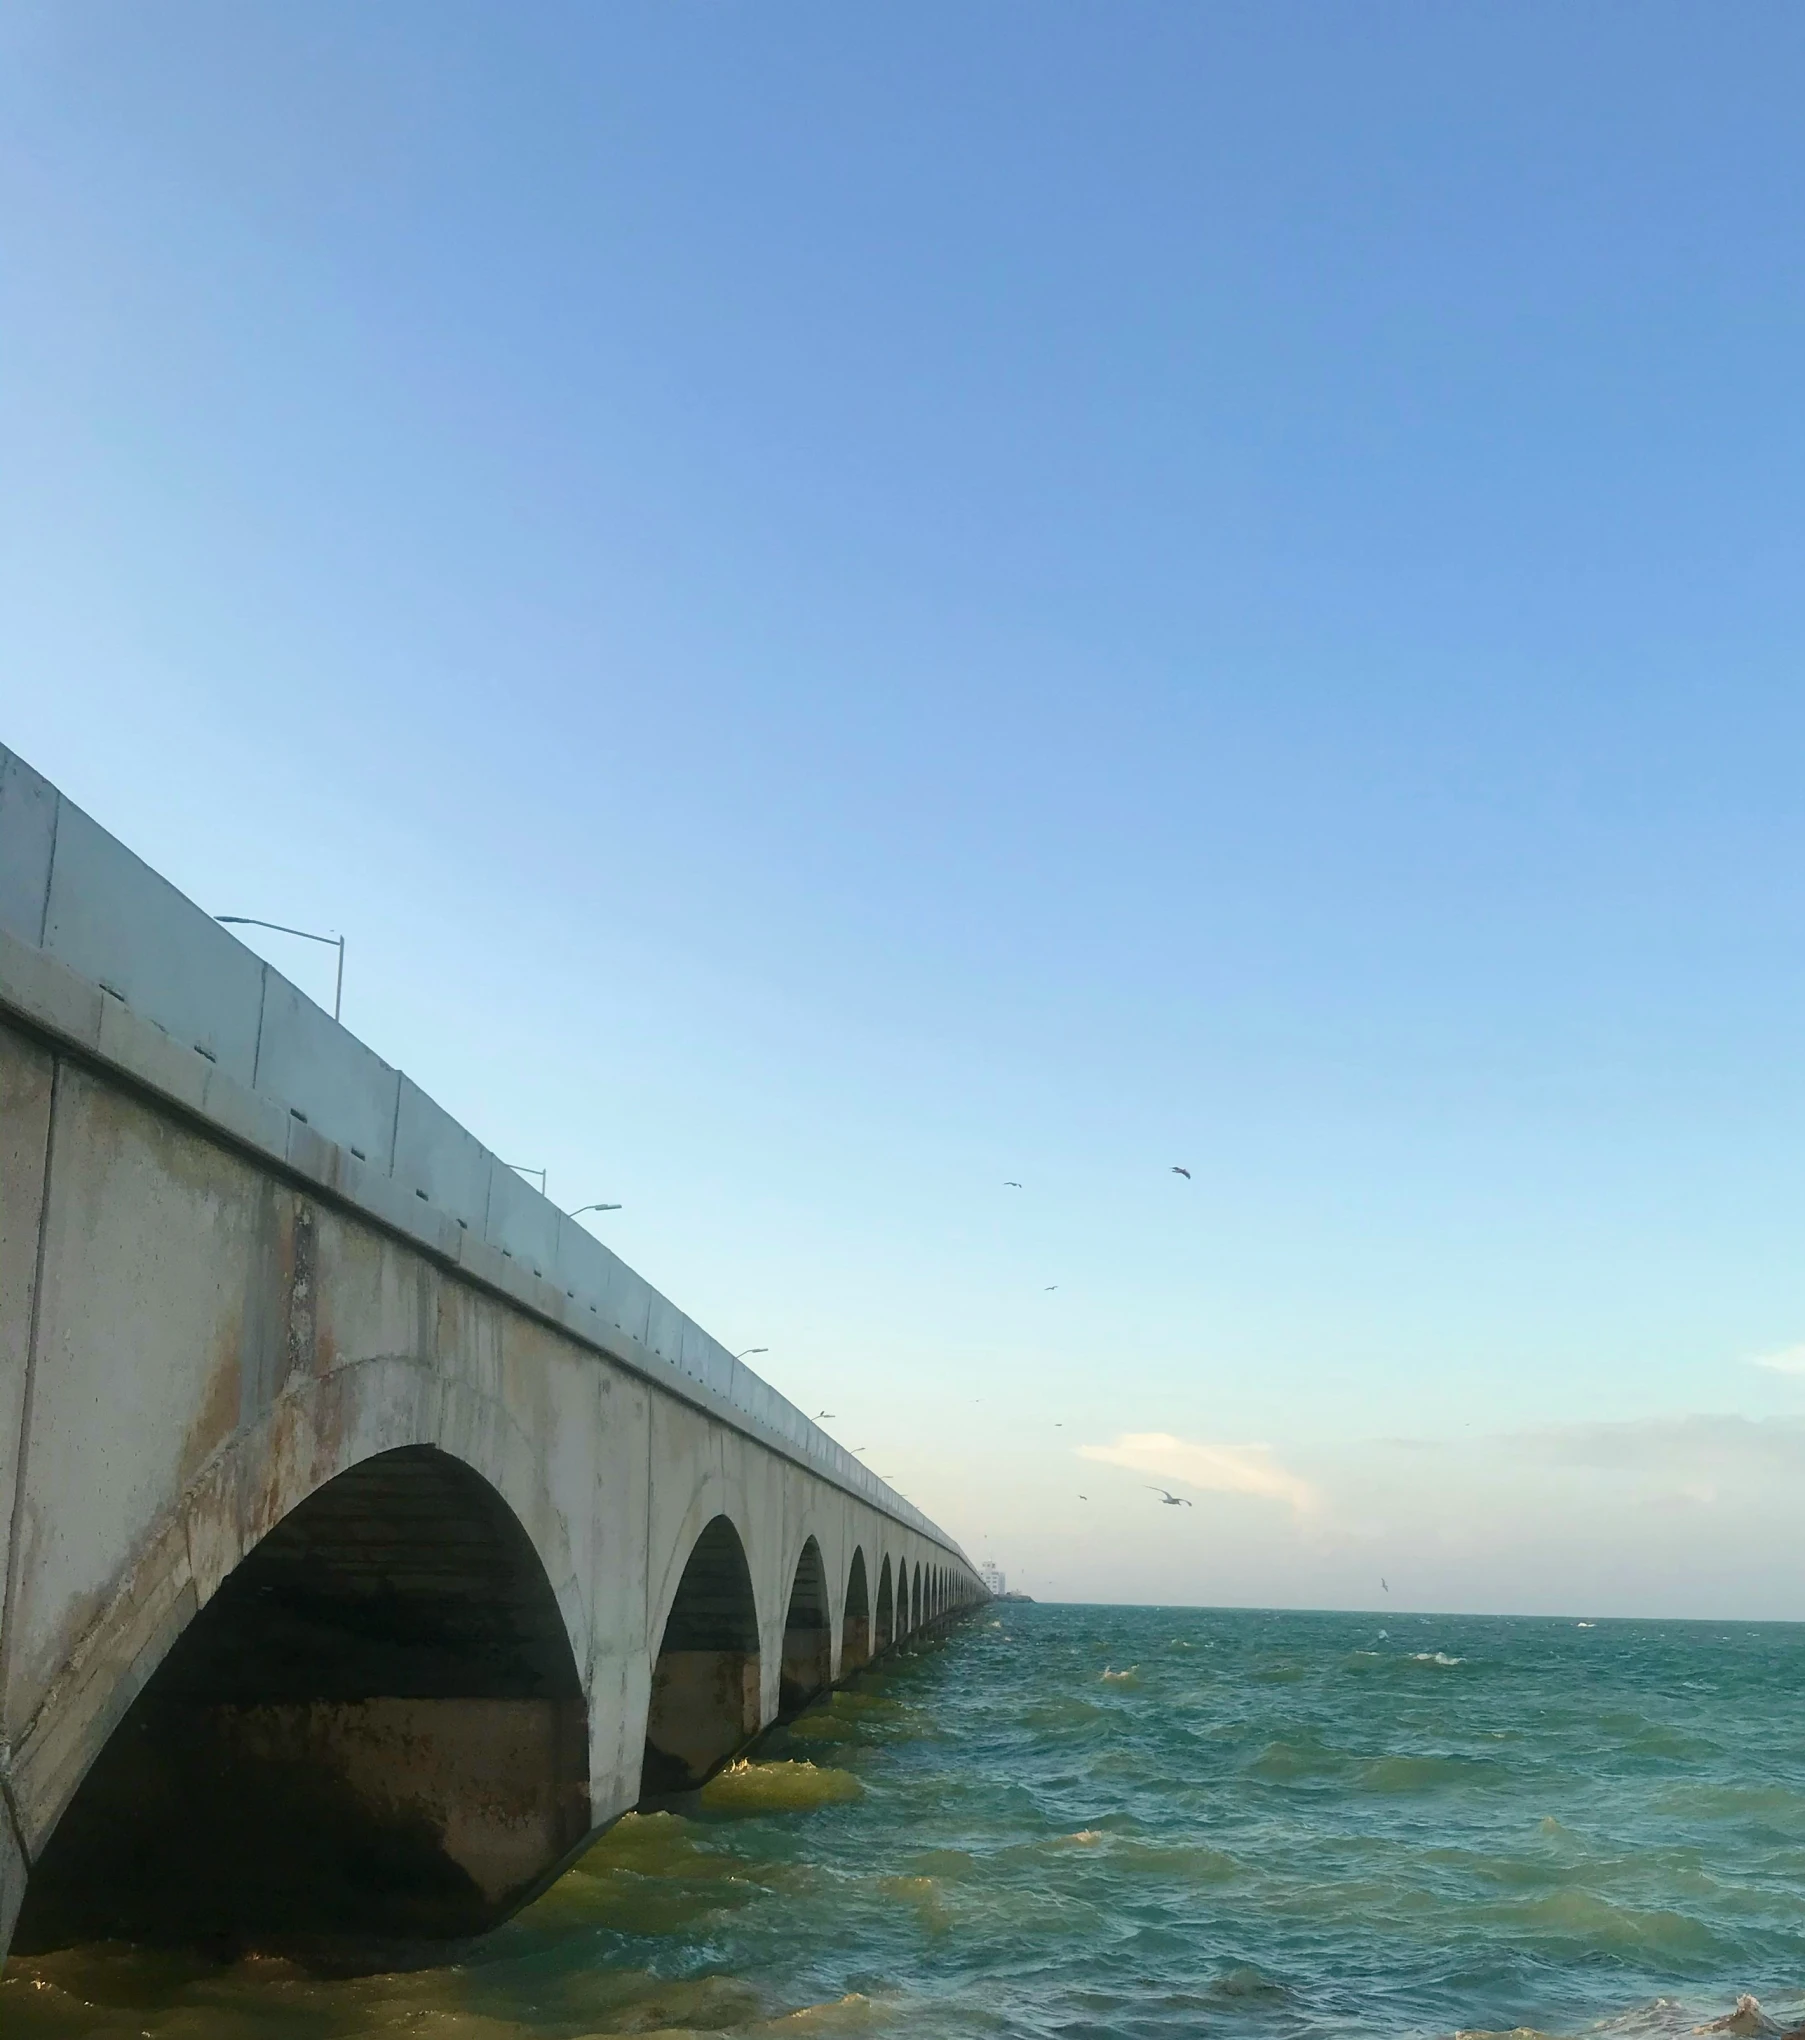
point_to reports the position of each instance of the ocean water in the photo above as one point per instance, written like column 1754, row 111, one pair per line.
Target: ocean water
column 1138, row 1823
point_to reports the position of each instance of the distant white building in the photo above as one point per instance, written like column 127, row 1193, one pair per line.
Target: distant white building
column 990, row 1573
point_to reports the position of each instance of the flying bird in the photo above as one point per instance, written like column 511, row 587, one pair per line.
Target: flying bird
column 1084, row 1498
column 1009, row 1183
column 1177, row 1171
column 1048, row 1291
column 1386, row 1584
column 1171, row 1500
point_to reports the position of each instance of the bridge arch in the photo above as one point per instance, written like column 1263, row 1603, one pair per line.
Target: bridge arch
column 385, row 1683
column 705, row 1681
column 855, row 1623
column 808, row 1635
column 915, row 1598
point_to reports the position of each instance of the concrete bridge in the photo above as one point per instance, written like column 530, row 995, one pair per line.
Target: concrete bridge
column 371, row 1535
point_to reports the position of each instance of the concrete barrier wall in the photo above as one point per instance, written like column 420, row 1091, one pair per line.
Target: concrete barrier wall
column 238, row 1045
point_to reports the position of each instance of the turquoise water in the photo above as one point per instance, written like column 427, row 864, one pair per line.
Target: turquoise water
column 1141, row 1822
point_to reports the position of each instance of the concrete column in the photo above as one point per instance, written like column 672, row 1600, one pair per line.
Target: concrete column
column 12, row 1874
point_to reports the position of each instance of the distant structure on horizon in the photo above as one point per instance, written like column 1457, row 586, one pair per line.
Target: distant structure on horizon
column 991, row 1574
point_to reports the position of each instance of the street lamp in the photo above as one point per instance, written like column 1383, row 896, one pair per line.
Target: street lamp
column 581, row 1208
column 521, row 1169
column 750, row 1350
column 306, row 935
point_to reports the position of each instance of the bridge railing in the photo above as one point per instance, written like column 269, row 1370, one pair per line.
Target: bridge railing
column 75, row 894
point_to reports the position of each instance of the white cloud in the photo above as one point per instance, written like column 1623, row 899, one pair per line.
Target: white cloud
column 1218, row 1469
column 1789, row 1360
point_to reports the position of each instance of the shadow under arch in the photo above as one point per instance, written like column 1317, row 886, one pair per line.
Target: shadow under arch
column 376, row 1726
column 915, row 1599
column 886, row 1610
column 855, row 1623
column 705, row 1699
column 808, row 1636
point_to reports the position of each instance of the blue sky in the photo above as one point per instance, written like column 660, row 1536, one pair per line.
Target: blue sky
column 848, row 605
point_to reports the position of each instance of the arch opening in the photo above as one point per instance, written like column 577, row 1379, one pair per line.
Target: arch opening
column 915, row 1599
column 375, row 1726
column 705, row 1698
column 808, row 1636
column 886, row 1609
column 855, row 1624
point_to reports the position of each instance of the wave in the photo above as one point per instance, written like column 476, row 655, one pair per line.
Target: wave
column 853, row 2013
column 782, row 1787
column 1285, row 1761
column 1595, row 1924
column 922, row 1896
column 1424, row 1774
column 1365, row 1662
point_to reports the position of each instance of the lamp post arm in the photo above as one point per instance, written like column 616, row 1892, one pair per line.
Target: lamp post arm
column 303, row 935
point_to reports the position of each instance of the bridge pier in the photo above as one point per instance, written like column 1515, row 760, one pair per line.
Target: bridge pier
column 13, row 1870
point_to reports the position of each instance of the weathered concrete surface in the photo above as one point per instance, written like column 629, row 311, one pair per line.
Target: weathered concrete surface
column 331, row 1496
column 12, row 1876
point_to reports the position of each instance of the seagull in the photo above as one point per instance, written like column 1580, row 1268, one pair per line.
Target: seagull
column 1084, row 1498
column 1172, row 1501
column 1048, row 1291
column 1009, row 1183
column 1177, row 1171
column 1385, row 1583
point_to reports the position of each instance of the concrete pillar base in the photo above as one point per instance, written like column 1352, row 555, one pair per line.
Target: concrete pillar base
column 427, row 1818
column 704, row 1707
column 13, row 1872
